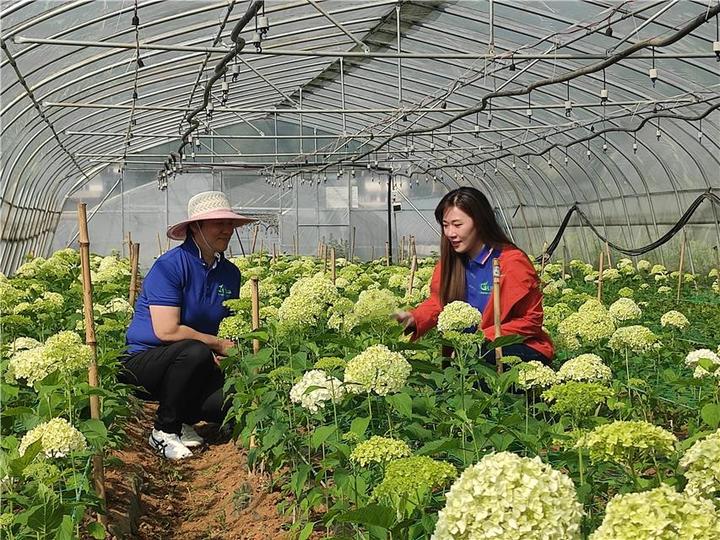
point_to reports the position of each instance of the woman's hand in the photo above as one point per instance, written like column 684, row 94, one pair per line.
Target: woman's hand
column 223, row 346
column 406, row 319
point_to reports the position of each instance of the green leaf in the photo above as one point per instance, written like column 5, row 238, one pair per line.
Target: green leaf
column 66, row 530
column 371, row 515
column 437, row 446
column 711, row 414
column 359, row 425
column 96, row 530
column 297, row 482
column 402, row 403
column 504, row 341
column 94, row 431
column 17, row 466
column 320, row 435
column 307, row 531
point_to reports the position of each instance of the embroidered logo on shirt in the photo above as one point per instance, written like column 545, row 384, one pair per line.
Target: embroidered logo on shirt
column 485, row 287
column 224, row 292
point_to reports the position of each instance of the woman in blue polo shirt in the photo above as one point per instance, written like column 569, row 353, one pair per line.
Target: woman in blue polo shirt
column 173, row 348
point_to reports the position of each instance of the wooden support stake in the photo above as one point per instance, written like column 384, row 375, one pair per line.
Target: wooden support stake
column 413, row 247
column 680, row 270
column 496, row 313
column 254, row 240
column 401, row 255
column 333, row 270
column 93, row 379
column 352, row 245
column 411, row 280
column 372, row 253
column 274, row 256
column 600, row 275
column 134, row 262
column 607, row 252
column 542, row 259
column 255, row 294
column 387, row 254
column 295, row 245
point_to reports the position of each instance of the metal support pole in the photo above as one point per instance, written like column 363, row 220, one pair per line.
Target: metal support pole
column 389, row 218
column 342, row 98
column 399, row 60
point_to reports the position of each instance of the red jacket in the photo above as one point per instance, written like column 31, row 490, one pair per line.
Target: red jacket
column 520, row 304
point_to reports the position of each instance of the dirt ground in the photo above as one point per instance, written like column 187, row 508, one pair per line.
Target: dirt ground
column 211, row 495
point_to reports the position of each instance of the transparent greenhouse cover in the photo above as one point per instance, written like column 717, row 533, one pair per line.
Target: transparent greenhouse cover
column 96, row 96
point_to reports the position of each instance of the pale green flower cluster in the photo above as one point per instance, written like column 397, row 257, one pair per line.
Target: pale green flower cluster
column 49, row 302
column 315, row 389
column 535, row 374
column 234, row 326
column 281, row 375
column 379, row 450
column 340, row 315
column 505, row 496
column 398, row 281
column 9, row 295
column 675, row 319
column 627, row 441
column 702, row 467
column 625, row 309
column 625, row 267
column 458, row 316
column 661, row 277
column 110, row 270
column 578, row 399
column 553, row 270
column 118, row 306
column 23, row 344
column 582, row 266
column 636, row 338
column 269, row 291
column 658, row 269
column 6, row 520
column 307, row 304
column 643, row 265
column 714, row 273
column 375, row 306
column 58, row 437
column 554, row 287
column 42, row 471
column 329, row 363
column 411, row 478
column 589, row 326
column 658, row 514
column 664, row 289
column 585, row 367
column 611, row 274
column 693, row 358
column 64, row 352
column 626, row 292
column 554, row 315
column 377, row 369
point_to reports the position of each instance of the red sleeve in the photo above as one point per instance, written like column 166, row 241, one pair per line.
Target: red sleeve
column 426, row 314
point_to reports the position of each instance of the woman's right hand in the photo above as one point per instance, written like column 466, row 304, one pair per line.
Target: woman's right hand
column 223, row 346
column 406, row 319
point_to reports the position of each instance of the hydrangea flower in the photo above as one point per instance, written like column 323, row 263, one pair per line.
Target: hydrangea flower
column 611, row 274
column 625, row 267
column 662, row 277
column 32, row 365
column 307, row 304
column 658, row 269
column 458, row 316
column 58, row 437
column 411, row 478
column 675, row 319
column 375, row 306
column 626, row 292
column 585, row 367
column 578, row 399
column 119, row 305
column 627, row 442
column 234, row 326
column 508, row 496
column 643, row 265
column 324, row 388
column 329, row 363
column 553, row 315
column 636, row 338
column 377, row 369
column 693, row 358
column 589, row 326
column 658, row 514
column 625, row 309
column 67, row 352
column 379, row 450
column 281, row 375
column 24, row 343
column 535, row 374
column 702, row 467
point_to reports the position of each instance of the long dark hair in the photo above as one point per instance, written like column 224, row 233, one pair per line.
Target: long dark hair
column 476, row 205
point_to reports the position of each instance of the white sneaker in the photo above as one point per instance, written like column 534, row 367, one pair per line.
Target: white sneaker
column 168, row 445
column 189, row 437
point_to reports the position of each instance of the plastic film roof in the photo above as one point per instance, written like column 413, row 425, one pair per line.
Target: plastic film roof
column 75, row 99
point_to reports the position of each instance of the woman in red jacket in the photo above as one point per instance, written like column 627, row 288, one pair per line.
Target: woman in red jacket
column 471, row 239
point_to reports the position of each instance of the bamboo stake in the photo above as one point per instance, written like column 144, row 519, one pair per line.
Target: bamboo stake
column 600, row 275
column 413, row 268
column 413, row 252
column 135, row 252
column 254, row 240
column 93, row 379
column 607, row 252
column 682, row 263
column 542, row 260
column 129, row 243
column 352, row 245
column 274, row 256
column 333, row 270
column 295, row 245
column 496, row 313
column 402, row 250
column 372, row 253
column 255, row 294
column 387, row 254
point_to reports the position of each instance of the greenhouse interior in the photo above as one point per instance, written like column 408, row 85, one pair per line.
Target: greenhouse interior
column 379, row 269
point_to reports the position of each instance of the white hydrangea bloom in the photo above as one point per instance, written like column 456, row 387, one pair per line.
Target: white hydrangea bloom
column 692, row 359
column 31, row 365
column 675, row 319
column 535, row 374
column 585, row 368
column 377, row 369
column 658, row 269
column 643, row 265
column 625, row 309
column 58, row 436
column 324, row 388
column 458, row 316
column 702, row 466
column 24, row 343
column 505, row 496
column 636, row 338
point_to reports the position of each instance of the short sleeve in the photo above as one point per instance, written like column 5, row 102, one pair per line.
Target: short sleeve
column 163, row 285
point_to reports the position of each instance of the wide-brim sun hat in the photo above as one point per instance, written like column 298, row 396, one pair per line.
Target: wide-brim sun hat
column 207, row 205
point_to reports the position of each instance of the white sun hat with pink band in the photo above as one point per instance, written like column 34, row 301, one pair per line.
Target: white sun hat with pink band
column 207, row 205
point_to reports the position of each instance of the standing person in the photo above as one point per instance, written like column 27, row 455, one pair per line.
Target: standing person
column 471, row 239
column 173, row 348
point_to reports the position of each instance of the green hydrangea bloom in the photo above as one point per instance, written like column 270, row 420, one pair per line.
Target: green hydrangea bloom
column 329, row 363
column 626, row 292
column 42, row 471
column 589, row 326
column 702, row 467
column 554, row 315
column 58, row 437
column 625, row 309
column 281, row 375
column 379, row 450
column 67, row 352
column 658, row 514
column 627, row 442
column 505, row 496
column 535, row 374
column 377, row 369
column 458, row 316
column 579, row 399
column 636, row 338
column 585, row 367
column 233, row 326
column 674, row 319
column 307, row 304
column 412, row 478
column 375, row 306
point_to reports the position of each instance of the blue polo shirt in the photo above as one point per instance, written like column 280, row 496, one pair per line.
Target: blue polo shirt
column 181, row 278
column 479, row 277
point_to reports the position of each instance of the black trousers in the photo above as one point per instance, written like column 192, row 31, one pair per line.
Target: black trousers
column 184, row 378
column 520, row 350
